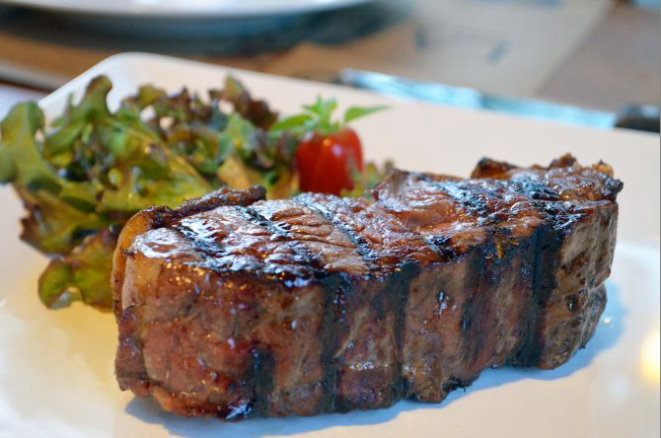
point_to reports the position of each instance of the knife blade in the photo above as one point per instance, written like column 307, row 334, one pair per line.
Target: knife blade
column 469, row 98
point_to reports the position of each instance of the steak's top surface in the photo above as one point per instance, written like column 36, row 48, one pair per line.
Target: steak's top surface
column 563, row 180
column 411, row 217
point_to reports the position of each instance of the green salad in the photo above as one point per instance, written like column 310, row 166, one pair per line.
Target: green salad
column 83, row 177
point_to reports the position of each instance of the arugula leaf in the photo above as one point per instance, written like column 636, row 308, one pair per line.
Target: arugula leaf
column 54, row 226
column 357, row 112
column 291, row 122
column 23, row 163
column 253, row 110
column 84, row 275
column 319, row 118
column 93, row 168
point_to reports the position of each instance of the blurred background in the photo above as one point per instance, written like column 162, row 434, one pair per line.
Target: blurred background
column 601, row 55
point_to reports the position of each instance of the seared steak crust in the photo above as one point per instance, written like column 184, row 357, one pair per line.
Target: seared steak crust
column 235, row 307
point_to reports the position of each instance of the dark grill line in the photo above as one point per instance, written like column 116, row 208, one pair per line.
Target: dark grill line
column 209, row 246
column 528, row 353
column 336, row 287
column 394, row 293
column 361, row 246
column 303, row 255
column 546, row 262
column 478, row 289
column 465, row 197
column 397, row 290
column 200, row 244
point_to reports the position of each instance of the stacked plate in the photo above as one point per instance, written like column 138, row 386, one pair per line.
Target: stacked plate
column 184, row 9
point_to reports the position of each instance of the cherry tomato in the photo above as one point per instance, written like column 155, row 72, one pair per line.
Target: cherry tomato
column 325, row 163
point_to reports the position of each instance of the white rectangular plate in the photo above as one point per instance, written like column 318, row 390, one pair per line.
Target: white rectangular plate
column 56, row 367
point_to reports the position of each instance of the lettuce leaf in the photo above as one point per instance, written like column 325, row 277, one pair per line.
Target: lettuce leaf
column 93, row 168
column 82, row 275
column 82, row 177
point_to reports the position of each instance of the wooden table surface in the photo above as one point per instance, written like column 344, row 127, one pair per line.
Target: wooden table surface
column 606, row 55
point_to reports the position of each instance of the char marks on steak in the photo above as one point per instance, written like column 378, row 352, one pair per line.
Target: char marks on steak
column 235, row 307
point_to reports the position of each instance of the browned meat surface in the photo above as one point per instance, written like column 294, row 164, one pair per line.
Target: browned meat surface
column 235, row 307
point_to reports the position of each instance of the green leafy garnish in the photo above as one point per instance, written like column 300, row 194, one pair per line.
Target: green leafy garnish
column 357, row 112
column 82, row 177
column 82, row 275
column 94, row 168
column 319, row 118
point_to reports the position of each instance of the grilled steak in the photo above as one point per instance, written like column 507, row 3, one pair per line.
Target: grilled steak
column 235, row 307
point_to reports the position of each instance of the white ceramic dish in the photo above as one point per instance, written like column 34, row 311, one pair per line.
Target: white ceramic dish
column 184, row 9
column 56, row 367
